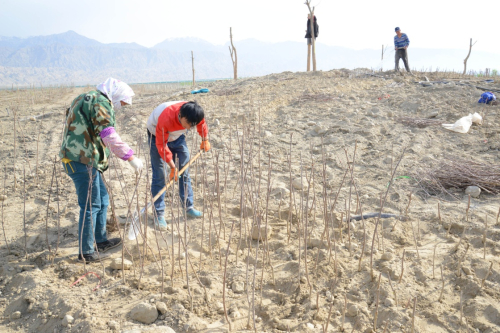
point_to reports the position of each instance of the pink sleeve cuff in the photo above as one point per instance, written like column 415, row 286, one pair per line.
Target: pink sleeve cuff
column 112, row 140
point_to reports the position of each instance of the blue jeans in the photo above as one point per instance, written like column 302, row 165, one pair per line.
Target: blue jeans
column 96, row 207
column 179, row 151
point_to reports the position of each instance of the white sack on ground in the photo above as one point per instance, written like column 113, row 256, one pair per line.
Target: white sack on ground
column 463, row 124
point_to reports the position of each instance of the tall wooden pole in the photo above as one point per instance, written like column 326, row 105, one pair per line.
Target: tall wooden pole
column 234, row 56
column 192, row 65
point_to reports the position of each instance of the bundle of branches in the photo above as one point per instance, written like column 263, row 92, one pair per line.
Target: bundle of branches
column 454, row 173
column 317, row 97
column 419, row 122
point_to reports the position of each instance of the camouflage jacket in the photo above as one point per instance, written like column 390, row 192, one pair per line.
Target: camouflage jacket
column 88, row 115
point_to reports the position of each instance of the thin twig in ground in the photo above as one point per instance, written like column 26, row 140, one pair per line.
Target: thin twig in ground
column 375, row 317
column 48, row 206
column 343, row 313
column 4, row 198
column 24, row 214
column 484, row 235
column 224, row 279
column 393, row 290
column 434, row 259
column 413, row 317
column 402, row 266
column 459, row 271
column 381, row 209
column 442, row 284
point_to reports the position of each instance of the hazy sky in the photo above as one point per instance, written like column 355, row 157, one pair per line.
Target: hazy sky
column 352, row 24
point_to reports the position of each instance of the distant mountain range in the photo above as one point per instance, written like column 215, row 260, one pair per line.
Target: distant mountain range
column 71, row 58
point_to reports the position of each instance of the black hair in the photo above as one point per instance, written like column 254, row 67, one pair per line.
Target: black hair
column 192, row 112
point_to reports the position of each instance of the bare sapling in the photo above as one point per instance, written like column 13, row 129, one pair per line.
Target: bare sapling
column 393, row 290
column 364, row 239
column 402, row 266
column 48, row 207
column 224, row 278
column 439, row 214
column 37, row 146
column 381, row 209
column 487, row 275
column 459, row 271
column 3, row 200
column 468, row 55
column 461, row 308
column 442, row 284
column 306, row 223
column 414, row 313
column 434, row 259
column 414, row 239
column 348, row 215
column 113, row 210
column 343, row 313
column 15, row 150
column 498, row 215
column 484, row 235
column 325, row 327
column 375, row 317
column 467, row 210
column 289, row 225
column 24, row 214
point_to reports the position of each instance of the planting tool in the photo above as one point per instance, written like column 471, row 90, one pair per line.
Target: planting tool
column 133, row 230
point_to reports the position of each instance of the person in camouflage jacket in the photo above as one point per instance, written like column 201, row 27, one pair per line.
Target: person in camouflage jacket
column 89, row 138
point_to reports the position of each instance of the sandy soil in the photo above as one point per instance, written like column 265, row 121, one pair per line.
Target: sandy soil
column 310, row 268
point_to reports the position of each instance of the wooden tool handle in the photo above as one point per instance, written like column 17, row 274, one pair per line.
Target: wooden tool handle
column 180, row 173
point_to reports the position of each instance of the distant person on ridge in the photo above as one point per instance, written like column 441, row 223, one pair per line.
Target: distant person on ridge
column 89, row 137
column 167, row 127
column 309, row 37
column 401, row 43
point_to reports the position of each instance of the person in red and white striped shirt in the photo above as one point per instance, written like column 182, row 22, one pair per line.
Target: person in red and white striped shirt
column 167, row 126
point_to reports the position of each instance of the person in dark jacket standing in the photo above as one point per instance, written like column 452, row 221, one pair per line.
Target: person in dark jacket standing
column 401, row 43
column 309, row 37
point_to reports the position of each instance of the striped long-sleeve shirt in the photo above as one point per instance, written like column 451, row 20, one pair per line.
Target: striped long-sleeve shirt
column 400, row 43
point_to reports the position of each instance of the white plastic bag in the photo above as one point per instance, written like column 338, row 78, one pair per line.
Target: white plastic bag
column 463, row 124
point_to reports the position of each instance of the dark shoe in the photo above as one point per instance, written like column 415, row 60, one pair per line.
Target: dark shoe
column 109, row 244
column 92, row 257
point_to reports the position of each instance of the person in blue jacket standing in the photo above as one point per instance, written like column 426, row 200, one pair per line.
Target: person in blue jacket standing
column 401, row 43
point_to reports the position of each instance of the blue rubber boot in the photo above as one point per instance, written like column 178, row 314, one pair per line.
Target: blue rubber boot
column 161, row 224
column 194, row 213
